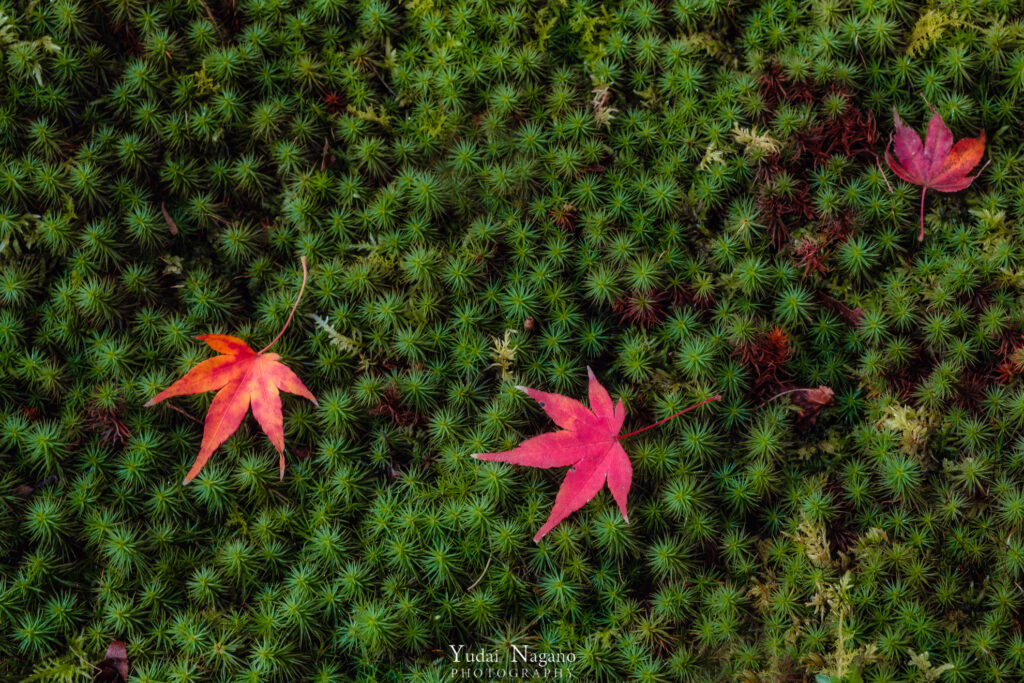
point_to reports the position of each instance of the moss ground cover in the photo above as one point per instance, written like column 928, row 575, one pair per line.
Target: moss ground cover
column 687, row 195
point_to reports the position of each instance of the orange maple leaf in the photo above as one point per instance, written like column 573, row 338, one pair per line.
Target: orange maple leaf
column 243, row 378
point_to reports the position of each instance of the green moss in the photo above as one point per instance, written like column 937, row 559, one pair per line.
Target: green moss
column 686, row 196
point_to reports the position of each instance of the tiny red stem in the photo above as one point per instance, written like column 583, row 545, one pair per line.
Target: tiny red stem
column 662, row 421
column 305, row 275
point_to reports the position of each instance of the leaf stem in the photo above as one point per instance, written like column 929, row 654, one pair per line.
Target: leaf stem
column 717, row 397
column 305, row 276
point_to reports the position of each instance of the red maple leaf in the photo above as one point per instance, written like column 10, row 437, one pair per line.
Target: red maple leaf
column 241, row 377
column 937, row 163
column 588, row 444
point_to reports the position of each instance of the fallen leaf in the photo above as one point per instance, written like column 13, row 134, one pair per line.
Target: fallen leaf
column 810, row 403
column 937, row 163
column 242, row 378
column 588, row 443
column 852, row 316
column 114, row 667
column 25, row 490
column 171, row 225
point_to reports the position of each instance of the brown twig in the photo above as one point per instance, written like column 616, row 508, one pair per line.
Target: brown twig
column 480, row 578
column 183, row 412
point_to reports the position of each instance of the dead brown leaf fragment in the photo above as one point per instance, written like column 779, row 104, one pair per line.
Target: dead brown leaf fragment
column 114, row 667
column 810, row 403
column 167, row 218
